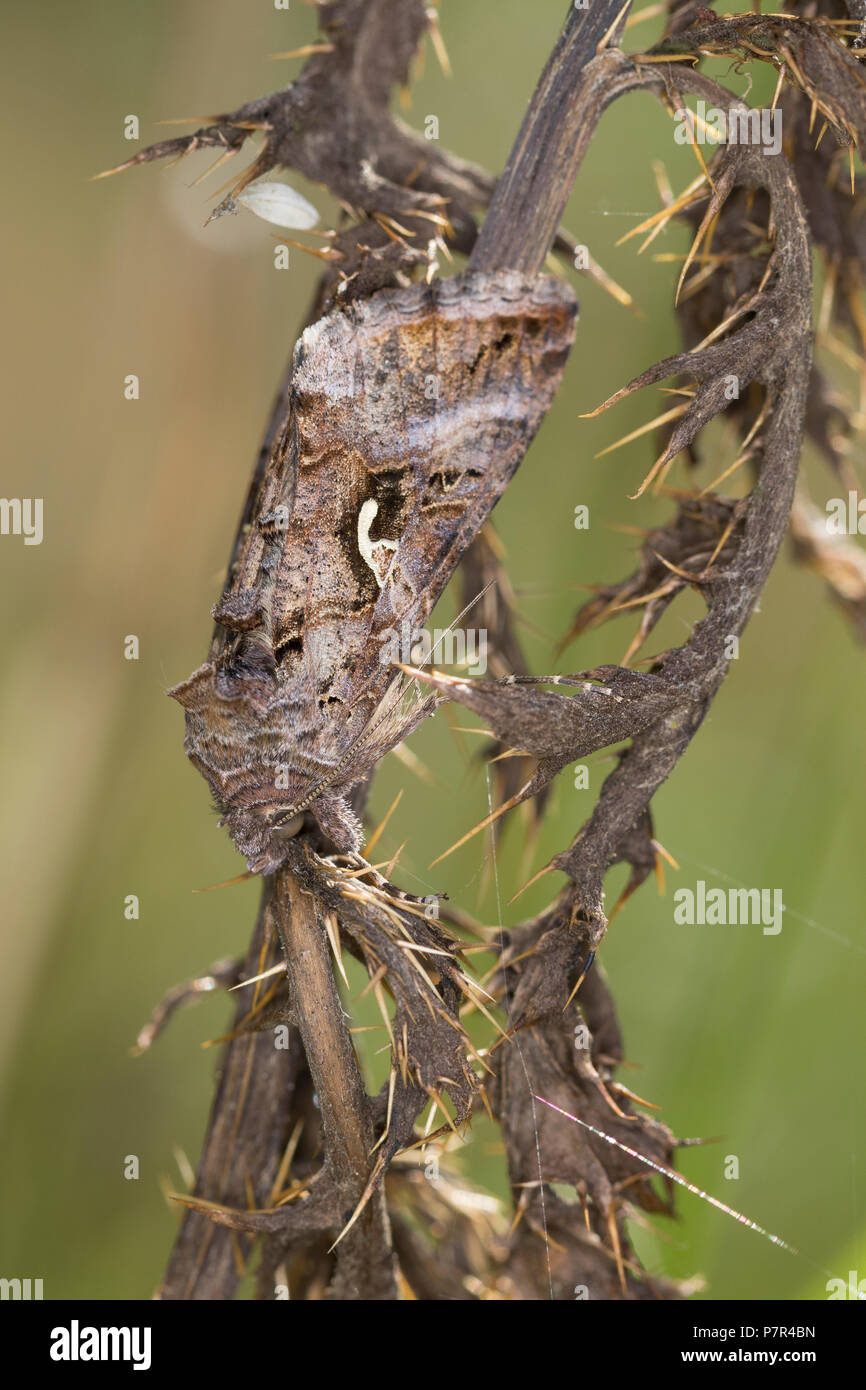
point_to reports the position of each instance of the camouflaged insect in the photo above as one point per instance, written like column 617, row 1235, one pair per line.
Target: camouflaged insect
column 406, row 417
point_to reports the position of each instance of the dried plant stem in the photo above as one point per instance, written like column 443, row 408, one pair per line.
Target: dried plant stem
column 722, row 547
column 246, row 1136
column 365, row 1265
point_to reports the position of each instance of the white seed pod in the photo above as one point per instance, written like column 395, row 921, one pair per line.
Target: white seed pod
column 279, row 204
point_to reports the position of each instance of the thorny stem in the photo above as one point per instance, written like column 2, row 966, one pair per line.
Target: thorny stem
column 246, row 1136
column 577, row 85
column 530, row 198
column 365, row 1267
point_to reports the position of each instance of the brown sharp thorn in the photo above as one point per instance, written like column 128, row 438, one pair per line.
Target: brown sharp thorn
column 545, row 1237
column 392, row 1082
column 425, row 950
column 422, row 972
column 226, row 883
column 676, row 257
column 585, row 1207
column 698, row 281
column 383, row 1009
column 611, row 400
column 828, row 294
column 583, row 976
column 703, row 163
column 732, row 468
column 641, row 58
column 509, row 753
column 223, row 159
column 631, row 1095
column 614, row 1240
column 651, row 236
column 661, row 462
column 438, row 43
column 661, row 592
column 404, row 1054
column 238, row 1256
column 725, row 324
column 608, row 35
column 620, row 902
column 279, row 969
column 185, row 1168
column 648, row 12
column 167, row 1188
column 851, row 167
column 663, row 185
column 413, row 763
column 333, row 931
column 520, row 1209
column 660, row 849
column 436, row 1103
column 483, row 1097
column 821, row 135
column 119, row 168
column 609, row 285
column 190, row 149
column 394, row 860
column 377, row 833
column 759, row 420
column 322, row 253
column 778, row 90
column 674, row 414
column 243, row 1026
column 392, row 229
column 407, row 1293
column 365, row 1197
column 789, row 61
column 639, row 638
column 665, row 213
column 548, row 868
column 659, row 869
column 474, row 984
column 476, row 1003
column 251, row 172
column 203, row 1205
column 378, row 975
column 706, row 222
column 482, row 825
column 688, row 576
column 201, row 121
column 721, row 545
column 306, row 52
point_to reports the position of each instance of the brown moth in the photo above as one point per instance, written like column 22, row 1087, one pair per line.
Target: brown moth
column 407, row 414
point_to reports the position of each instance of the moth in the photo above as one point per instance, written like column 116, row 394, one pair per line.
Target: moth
column 406, row 416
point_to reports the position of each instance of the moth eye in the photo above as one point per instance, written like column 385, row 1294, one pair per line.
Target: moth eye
column 287, row 820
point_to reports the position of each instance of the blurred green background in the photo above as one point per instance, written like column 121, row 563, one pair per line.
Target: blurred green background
column 759, row 1039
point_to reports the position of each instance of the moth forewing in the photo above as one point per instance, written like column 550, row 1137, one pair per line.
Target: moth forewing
column 407, row 416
